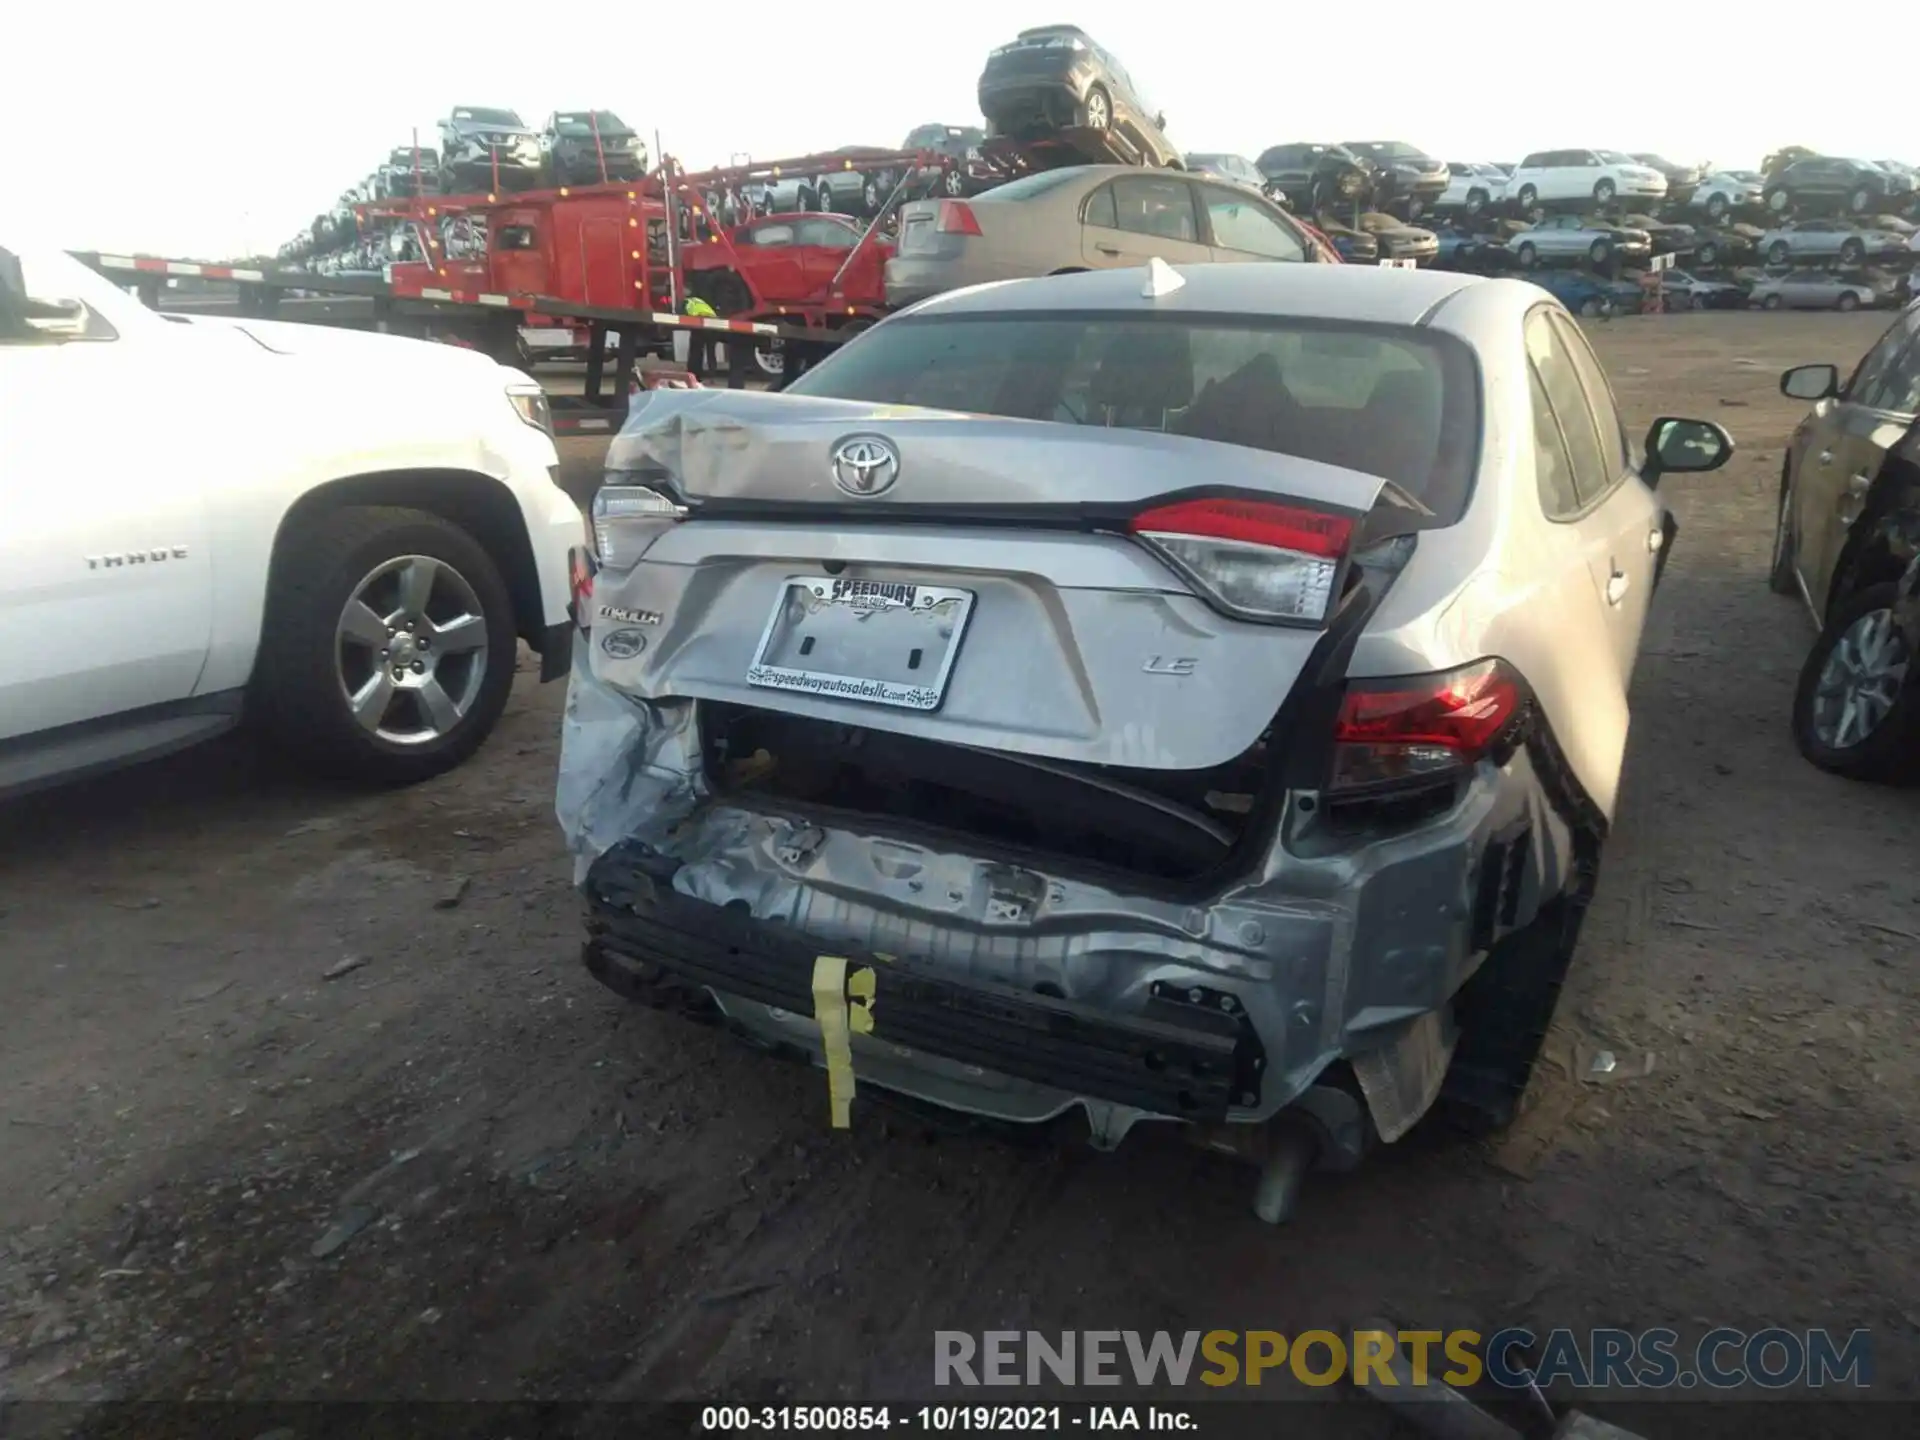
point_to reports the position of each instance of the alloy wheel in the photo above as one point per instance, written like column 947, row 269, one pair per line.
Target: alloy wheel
column 1861, row 680
column 410, row 650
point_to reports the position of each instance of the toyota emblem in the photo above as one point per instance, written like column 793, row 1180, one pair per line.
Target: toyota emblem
column 865, row 465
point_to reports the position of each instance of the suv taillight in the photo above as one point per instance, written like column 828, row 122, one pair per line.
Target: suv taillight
column 1255, row 559
column 1414, row 729
column 956, row 218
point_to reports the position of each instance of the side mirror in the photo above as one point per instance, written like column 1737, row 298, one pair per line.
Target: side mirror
column 1810, row 382
column 1677, row 446
column 1160, row 121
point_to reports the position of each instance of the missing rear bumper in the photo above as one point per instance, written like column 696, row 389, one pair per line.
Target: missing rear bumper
column 1191, row 1059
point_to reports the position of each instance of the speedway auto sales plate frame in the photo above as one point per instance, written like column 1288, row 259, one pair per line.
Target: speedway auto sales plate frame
column 878, row 642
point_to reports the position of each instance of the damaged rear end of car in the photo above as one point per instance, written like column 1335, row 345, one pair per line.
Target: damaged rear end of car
column 1040, row 709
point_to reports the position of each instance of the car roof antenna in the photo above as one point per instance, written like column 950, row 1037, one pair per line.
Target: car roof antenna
column 1162, row 279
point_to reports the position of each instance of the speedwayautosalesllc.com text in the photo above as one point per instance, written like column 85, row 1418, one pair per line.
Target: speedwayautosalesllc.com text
column 1724, row 1359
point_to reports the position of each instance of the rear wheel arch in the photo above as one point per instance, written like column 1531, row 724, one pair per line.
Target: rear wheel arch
column 479, row 504
column 1884, row 540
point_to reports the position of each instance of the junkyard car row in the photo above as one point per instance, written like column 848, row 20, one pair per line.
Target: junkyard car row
column 1838, row 231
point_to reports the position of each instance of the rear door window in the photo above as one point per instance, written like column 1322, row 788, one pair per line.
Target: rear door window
column 1156, row 206
column 1552, row 465
column 1240, row 223
column 826, row 234
column 1558, row 375
column 1101, row 210
column 1599, row 392
column 1867, row 382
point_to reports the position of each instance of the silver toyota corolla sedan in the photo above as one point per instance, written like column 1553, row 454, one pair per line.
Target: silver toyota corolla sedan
column 1168, row 695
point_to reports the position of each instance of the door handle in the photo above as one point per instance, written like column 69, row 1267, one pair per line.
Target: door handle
column 1108, row 249
column 1616, row 587
column 1826, row 457
column 1859, row 483
column 1656, row 541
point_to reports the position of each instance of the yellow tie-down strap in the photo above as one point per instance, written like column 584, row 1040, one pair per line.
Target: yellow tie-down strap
column 843, row 1004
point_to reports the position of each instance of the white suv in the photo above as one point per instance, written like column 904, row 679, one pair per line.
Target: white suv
column 1598, row 176
column 344, row 534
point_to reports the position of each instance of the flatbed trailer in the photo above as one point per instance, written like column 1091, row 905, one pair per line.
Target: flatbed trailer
column 485, row 320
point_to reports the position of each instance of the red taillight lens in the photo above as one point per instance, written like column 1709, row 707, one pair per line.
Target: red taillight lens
column 580, row 583
column 1259, row 559
column 956, row 218
column 1416, row 728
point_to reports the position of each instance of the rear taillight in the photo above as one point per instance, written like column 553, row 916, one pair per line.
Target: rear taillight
column 627, row 519
column 1257, row 559
column 956, row 218
column 1419, row 728
column 580, row 580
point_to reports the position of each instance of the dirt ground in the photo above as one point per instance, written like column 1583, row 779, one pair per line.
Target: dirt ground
column 461, row 1169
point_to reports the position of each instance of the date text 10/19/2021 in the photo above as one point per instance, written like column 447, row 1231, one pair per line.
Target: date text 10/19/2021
column 992, row 1419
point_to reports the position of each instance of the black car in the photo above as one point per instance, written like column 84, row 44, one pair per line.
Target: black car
column 1405, row 178
column 1669, row 237
column 1682, row 180
column 576, row 142
column 1310, row 178
column 1688, row 292
column 1055, row 78
column 1858, row 187
column 1727, row 245
column 965, row 173
column 409, row 171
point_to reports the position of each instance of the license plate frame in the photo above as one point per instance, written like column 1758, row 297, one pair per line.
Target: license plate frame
column 834, row 606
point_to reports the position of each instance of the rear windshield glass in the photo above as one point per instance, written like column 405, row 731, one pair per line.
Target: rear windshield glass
column 1390, row 401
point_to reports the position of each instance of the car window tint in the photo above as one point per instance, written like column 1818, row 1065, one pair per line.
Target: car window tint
column 1591, row 474
column 1154, row 206
column 1876, row 363
column 1400, row 404
column 1599, row 390
column 1899, row 385
column 826, row 234
column 1239, row 223
column 1552, row 466
column 1100, row 208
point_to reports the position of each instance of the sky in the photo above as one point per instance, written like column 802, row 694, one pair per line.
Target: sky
column 216, row 139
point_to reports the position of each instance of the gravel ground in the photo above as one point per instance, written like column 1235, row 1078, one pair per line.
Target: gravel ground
column 304, row 1093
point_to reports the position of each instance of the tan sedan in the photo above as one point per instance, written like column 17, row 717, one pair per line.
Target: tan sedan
column 1085, row 217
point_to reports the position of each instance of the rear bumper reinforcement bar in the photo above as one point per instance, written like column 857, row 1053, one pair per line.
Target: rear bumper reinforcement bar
column 1187, row 1061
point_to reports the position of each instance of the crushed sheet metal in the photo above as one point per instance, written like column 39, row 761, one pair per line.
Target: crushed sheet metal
column 843, row 1004
column 628, row 768
column 1402, row 1078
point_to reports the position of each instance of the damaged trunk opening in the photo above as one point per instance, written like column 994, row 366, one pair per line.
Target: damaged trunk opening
column 1173, row 825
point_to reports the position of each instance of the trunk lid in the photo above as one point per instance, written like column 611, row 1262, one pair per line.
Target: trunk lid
column 983, row 590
